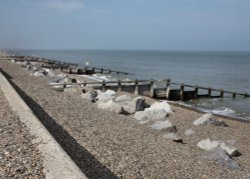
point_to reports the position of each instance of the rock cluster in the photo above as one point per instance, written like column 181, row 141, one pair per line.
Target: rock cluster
column 219, row 151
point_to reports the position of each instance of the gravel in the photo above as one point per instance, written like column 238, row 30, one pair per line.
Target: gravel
column 106, row 145
column 19, row 158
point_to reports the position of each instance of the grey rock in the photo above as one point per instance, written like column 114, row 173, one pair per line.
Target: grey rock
column 134, row 105
column 209, row 145
column 222, row 158
column 207, row 119
column 231, row 151
column 150, row 115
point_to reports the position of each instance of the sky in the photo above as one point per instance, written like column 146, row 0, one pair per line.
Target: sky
column 125, row 24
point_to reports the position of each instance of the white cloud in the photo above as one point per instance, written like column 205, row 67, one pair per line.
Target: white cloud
column 65, row 5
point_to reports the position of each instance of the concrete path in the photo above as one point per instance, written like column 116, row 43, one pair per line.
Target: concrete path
column 56, row 161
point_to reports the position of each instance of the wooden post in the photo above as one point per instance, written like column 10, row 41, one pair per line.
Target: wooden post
column 196, row 91
column 182, row 92
column 222, row 93
column 84, row 83
column 151, row 92
column 234, row 94
column 209, row 92
column 167, row 88
column 101, row 70
column 103, row 86
column 93, row 69
column 119, row 86
column 109, row 71
column 136, row 87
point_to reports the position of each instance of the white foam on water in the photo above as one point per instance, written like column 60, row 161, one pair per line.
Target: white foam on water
column 91, row 77
column 224, row 111
column 220, row 110
column 103, row 77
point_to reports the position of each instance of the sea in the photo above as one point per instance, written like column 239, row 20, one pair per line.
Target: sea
column 217, row 69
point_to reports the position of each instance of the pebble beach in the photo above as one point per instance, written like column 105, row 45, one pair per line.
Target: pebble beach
column 19, row 158
column 108, row 145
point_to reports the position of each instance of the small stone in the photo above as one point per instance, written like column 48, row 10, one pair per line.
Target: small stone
column 189, row 132
column 207, row 144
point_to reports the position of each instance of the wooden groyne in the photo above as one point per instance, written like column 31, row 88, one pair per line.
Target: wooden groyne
column 172, row 91
column 72, row 68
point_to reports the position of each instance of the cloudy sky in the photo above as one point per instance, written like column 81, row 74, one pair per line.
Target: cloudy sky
column 125, row 24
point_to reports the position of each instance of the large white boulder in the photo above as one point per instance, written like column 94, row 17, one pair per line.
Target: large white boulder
column 103, row 97
column 207, row 144
column 150, row 115
column 111, row 106
column 122, row 98
column 164, row 125
column 110, row 93
column 161, row 105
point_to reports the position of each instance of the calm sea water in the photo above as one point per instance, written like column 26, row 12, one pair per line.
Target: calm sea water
column 227, row 70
